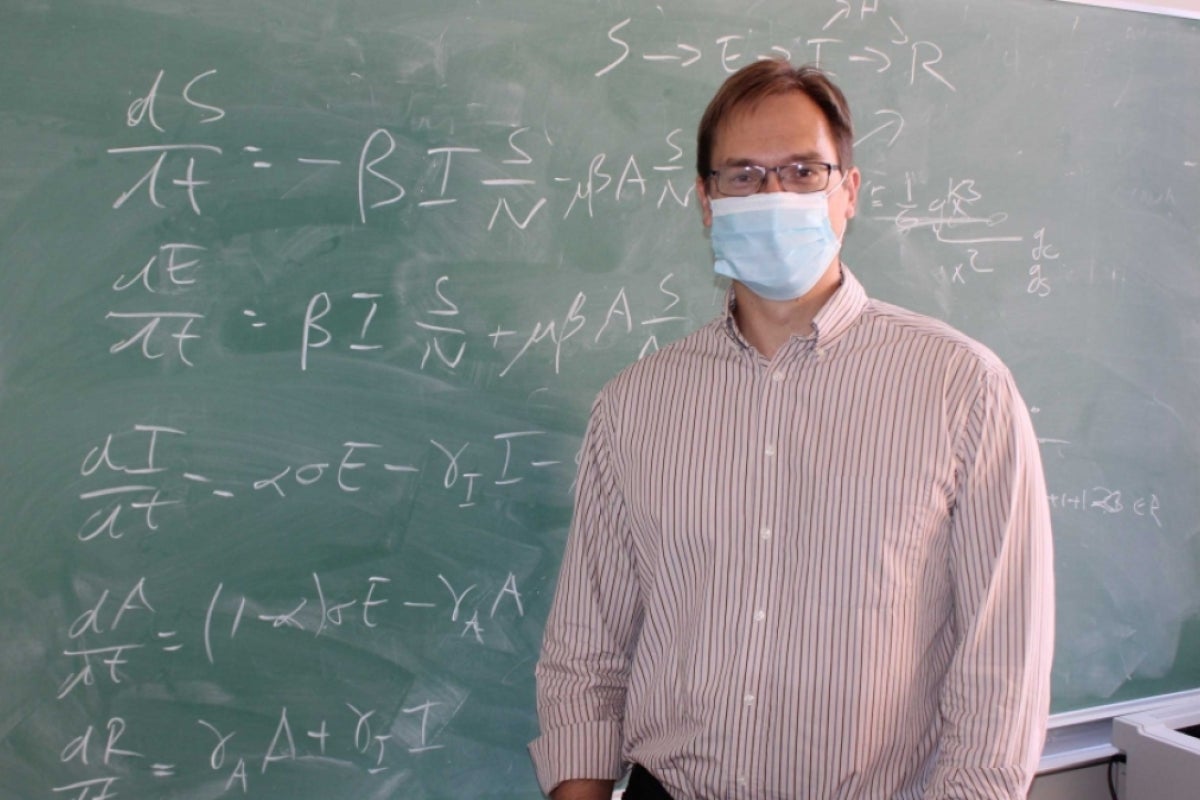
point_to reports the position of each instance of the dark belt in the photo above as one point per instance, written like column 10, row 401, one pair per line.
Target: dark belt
column 644, row 786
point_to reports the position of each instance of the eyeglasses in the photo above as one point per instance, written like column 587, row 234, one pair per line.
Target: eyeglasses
column 801, row 177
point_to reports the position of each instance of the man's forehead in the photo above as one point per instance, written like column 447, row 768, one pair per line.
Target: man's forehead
column 792, row 115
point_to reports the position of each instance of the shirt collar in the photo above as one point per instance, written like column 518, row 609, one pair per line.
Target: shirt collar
column 835, row 317
column 841, row 311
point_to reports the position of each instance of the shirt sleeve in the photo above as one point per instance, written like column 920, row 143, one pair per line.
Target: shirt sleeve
column 996, row 696
column 593, row 624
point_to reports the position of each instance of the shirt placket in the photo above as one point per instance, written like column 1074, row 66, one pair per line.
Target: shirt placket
column 766, row 511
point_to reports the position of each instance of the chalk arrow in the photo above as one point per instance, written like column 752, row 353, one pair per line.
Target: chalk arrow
column 894, row 119
column 875, row 56
column 842, row 13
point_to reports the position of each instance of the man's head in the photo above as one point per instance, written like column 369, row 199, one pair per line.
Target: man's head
column 752, row 84
column 770, row 113
column 776, row 144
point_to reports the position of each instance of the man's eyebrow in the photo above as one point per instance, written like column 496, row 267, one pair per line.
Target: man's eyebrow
column 809, row 155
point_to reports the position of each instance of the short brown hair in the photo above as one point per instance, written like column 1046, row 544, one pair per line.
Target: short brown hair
column 774, row 76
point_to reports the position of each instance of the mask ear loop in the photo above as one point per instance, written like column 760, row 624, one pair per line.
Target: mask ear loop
column 837, row 185
column 827, row 193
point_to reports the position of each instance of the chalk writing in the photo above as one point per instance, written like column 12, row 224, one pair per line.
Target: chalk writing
column 1039, row 284
column 960, row 217
column 617, row 314
column 1108, row 501
column 439, row 331
column 446, row 339
column 921, row 58
column 111, row 461
column 114, row 657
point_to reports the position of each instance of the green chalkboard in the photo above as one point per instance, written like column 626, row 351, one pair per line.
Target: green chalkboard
column 303, row 306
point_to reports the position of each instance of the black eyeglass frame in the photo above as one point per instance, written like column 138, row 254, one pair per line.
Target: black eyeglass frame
column 763, row 171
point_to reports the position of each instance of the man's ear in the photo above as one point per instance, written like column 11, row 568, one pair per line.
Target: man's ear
column 853, row 181
column 705, row 202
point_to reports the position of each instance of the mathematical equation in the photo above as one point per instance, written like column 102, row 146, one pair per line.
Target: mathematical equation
column 353, row 732
column 961, row 217
column 106, row 655
column 128, row 477
column 173, row 271
column 383, row 179
column 109, row 640
column 920, row 58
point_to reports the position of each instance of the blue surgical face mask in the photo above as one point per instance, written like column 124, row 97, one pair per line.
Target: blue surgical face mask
column 778, row 244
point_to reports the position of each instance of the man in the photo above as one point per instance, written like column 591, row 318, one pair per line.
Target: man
column 811, row 549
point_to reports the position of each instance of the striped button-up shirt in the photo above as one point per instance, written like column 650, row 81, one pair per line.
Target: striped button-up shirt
column 823, row 576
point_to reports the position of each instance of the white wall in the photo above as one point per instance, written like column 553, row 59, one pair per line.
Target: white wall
column 1179, row 8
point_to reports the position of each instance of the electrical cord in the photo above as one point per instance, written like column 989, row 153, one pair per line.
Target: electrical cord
column 1112, row 773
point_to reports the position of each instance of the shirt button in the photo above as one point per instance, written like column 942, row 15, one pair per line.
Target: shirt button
column 748, row 699
column 765, row 533
column 778, row 376
column 760, row 615
column 770, row 450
